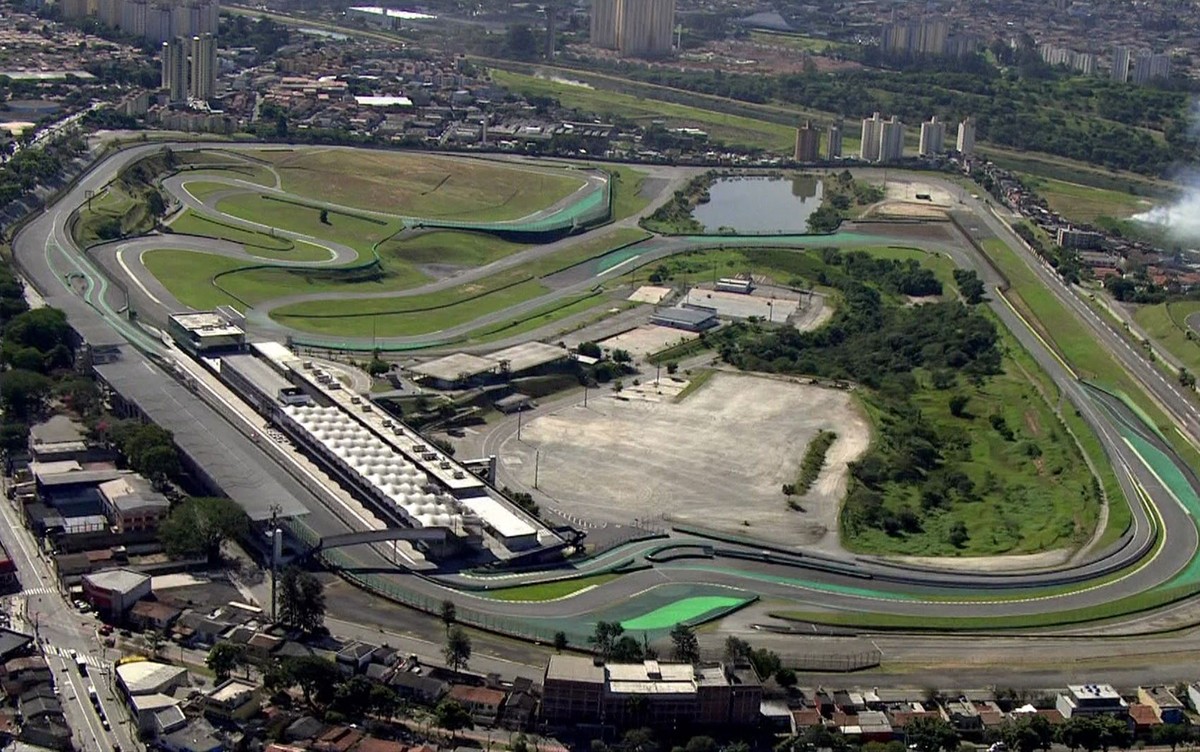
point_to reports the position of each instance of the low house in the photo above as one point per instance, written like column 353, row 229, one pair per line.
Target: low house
column 1143, row 718
column 232, row 700
column 1166, row 705
column 483, row 703
column 337, row 739
column 146, row 707
column 354, row 657
column 23, row 673
column 414, row 687
column 153, row 615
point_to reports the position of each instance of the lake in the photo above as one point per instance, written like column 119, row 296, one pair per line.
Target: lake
column 760, row 204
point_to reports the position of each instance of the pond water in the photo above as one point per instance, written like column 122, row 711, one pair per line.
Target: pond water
column 760, row 204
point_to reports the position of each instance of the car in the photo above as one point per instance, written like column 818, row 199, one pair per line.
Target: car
column 104, row 723
column 73, row 653
column 106, row 630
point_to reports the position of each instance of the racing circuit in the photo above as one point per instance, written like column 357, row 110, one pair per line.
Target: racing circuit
column 680, row 576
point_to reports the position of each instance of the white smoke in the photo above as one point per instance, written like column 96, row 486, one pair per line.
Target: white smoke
column 1181, row 218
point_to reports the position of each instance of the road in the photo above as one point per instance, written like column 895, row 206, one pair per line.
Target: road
column 59, row 629
column 70, row 279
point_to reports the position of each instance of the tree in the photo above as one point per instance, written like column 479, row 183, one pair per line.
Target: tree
column 449, row 614
column 969, row 285
column 786, row 678
column 627, row 650
column 621, row 356
column 378, row 367
column 199, row 525
column 684, row 646
column 560, row 641
column 520, row 42
column 224, row 658
column 958, row 535
column 301, row 601
column 1187, row 379
column 317, row 677
column 701, row 744
column 1169, row 735
column 931, row 734
column 160, row 464
column 958, row 405
column 737, row 650
column 23, row 393
column 458, row 649
column 324, row 216
column 589, row 350
column 452, row 716
column 605, row 637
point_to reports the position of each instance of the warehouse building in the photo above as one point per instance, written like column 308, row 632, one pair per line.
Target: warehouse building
column 114, row 591
column 462, row 370
column 690, row 318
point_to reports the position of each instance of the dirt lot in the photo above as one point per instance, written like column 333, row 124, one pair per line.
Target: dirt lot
column 716, row 459
column 648, row 339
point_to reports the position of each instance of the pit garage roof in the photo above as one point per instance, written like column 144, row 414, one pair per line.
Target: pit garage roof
column 528, row 355
column 505, row 522
column 227, row 457
column 255, row 371
column 455, row 367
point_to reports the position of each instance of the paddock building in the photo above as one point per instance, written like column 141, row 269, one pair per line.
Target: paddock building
column 461, row 370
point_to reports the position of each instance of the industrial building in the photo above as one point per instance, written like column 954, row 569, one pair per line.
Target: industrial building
column 114, row 591
column 808, row 143
column 634, row 28
column 691, row 318
column 132, row 505
column 461, row 370
column 933, row 135
column 966, row 137
column 580, row 690
column 389, row 466
column 206, row 331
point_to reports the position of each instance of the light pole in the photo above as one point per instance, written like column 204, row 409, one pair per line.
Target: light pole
column 537, row 463
column 519, row 411
column 276, row 540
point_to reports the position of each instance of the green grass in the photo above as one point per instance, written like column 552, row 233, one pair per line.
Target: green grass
column 696, row 381
column 627, row 197
column 257, row 243
column 1084, row 203
column 423, row 185
column 356, row 232
column 114, row 202
column 548, row 591
column 188, row 276
column 540, row 317
column 1166, row 324
column 449, row 247
column 597, row 244
column 202, row 189
column 731, row 129
column 795, row 41
column 415, row 315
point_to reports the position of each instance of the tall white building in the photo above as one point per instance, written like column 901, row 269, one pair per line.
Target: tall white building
column 636, row 28
column 933, row 135
column 833, row 141
column 891, row 140
column 175, row 69
column 966, row 137
column 872, row 129
column 1120, row 64
column 202, row 82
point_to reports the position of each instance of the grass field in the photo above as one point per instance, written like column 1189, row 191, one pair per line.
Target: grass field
column 543, row 316
column 422, row 185
column 1166, row 323
column 1084, row 203
column 114, row 204
column 356, row 232
column 548, row 591
column 731, row 129
column 415, row 315
column 448, row 247
column 257, row 243
column 627, row 191
column 795, row 41
column 188, row 276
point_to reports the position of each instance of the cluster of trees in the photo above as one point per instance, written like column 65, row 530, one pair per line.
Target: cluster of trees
column 35, row 349
column 301, row 601
column 198, row 526
column 675, row 216
column 148, row 449
column 326, row 690
column 29, row 168
column 1084, row 118
column 618, row 364
column 841, row 194
column 262, row 33
column 879, row 344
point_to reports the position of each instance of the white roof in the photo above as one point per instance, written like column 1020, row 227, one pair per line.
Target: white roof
column 404, row 15
column 397, row 480
column 369, row 101
column 206, row 324
column 148, row 677
column 152, row 701
column 117, row 580
column 498, row 517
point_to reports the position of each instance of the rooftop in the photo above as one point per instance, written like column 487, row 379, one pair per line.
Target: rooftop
column 574, row 668
column 232, row 691
column 132, row 492
column 499, row 517
column 693, row 316
column 148, row 677
column 1093, row 691
column 528, row 355
column 59, row 429
column 116, row 580
column 456, row 367
column 206, row 324
column 257, row 372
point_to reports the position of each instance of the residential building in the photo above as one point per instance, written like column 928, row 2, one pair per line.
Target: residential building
column 483, row 703
column 872, row 131
column 202, row 80
column 232, row 700
column 1166, row 705
column 808, row 143
column 635, row 28
column 1069, row 237
column 891, row 140
column 933, row 134
column 833, row 141
column 174, row 69
column 1121, row 58
column 1091, row 699
column 966, row 137
column 579, row 690
column 1148, row 67
column 132, row 505
column 153, row 615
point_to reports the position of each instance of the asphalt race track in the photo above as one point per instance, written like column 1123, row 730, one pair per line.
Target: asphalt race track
column 1155, row 563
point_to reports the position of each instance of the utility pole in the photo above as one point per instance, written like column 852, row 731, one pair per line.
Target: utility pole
column 537, row 463
column 276, row 540
column 519, row 411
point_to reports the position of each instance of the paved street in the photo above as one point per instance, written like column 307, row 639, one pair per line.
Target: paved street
column 41, row 610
